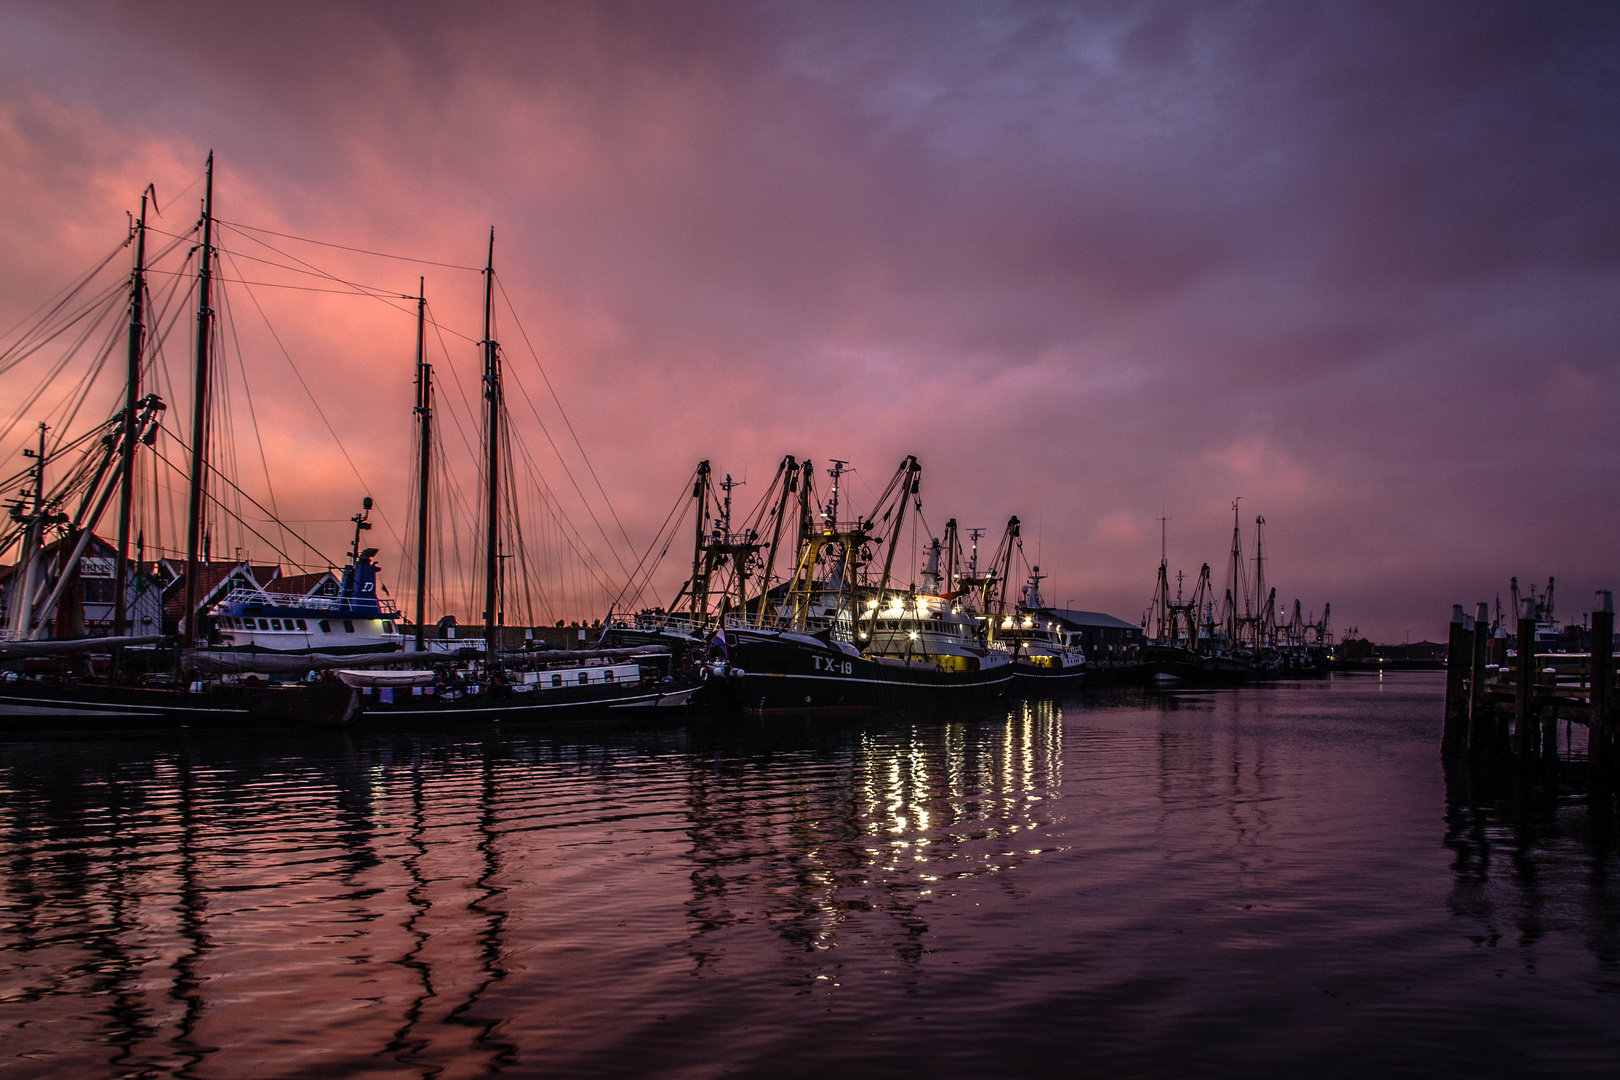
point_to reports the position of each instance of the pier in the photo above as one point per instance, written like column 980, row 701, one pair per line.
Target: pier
column 1506, row 705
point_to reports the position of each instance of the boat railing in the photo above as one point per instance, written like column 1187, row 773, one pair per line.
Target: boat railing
column 662, row 622
column 242, row 594
column 750, row 620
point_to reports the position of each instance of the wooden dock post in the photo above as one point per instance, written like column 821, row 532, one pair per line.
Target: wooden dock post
column 1479, row 709
column 1524, row 712
column 1459, row 657
column 1600, row 723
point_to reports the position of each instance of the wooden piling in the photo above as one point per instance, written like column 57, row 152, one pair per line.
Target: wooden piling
column 1524, row 714
column 1479, row 725
column 1600, row 725
column 1459, row 657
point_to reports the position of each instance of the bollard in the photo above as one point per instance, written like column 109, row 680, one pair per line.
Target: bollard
column 1478, row 701
column 1459, row 656
column 1600, row 725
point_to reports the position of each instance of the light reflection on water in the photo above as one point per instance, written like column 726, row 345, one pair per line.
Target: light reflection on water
column 1223, row 884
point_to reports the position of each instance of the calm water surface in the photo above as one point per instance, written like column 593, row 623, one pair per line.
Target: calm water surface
column 1255, row 882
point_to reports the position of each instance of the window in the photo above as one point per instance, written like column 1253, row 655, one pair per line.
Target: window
column 275, row 624
column 348, row 626
column 301, row 625
column 388, row 627
column 584, row 677
column 607, row 676
column 556, row 680
column 264, row 624
column 326, row 627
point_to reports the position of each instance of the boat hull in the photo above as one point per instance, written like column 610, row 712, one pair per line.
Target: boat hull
column 798, row 674
column 41, row 708
column 1038, row 679
column 404, row 704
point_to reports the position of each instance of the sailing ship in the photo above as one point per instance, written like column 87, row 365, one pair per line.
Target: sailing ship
column 494, row 684
column 228, row 654
column 70, row 692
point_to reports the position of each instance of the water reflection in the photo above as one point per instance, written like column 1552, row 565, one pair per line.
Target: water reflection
column 1533, row 856
column 202, row 907
column 871, row 820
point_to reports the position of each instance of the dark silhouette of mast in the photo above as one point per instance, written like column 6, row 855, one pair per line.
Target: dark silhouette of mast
column 132, row 391
column 492, row 394
column 199, row 405
column 424, row 410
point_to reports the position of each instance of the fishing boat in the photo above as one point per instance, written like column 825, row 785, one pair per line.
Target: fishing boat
column 836, row 640
column 1045, row 658
column 350, row 617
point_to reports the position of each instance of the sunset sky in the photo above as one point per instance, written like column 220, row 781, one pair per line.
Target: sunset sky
column 1093, row 264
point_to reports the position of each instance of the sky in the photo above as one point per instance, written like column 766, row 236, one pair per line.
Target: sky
column 1095, row 264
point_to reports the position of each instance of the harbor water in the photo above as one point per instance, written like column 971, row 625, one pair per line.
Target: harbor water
column 1268, row 881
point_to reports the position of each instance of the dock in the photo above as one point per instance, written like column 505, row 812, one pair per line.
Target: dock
column 1506, row 705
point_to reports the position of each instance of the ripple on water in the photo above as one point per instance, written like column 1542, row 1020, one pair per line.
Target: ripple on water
column 1235, row 883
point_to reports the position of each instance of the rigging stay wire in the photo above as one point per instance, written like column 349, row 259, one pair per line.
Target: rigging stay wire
column 346, row 247
column 568, row 423
column 382, row 296
column 318, row 410
column 253, row 416
column 256, row 504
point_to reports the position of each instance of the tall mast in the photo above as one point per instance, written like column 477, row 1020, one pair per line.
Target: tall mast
column 424, row 410
column 492, row 394
column 199, row 404
column 700, row 577
column 1260, row 628
column 132, row 390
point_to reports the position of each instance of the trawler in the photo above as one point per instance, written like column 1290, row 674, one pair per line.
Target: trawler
column 836, row 640
column 350, row 619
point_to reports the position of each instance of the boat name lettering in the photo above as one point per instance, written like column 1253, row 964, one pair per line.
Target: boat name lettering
column 839, row 667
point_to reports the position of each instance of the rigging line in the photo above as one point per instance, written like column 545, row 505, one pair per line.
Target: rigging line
column 108, row 300
column 680, row 504
column 541, row 368
column 318, row 411
column 582, row 550
column 87, row 383
column 257, row 505
column 242, row 522
column 345, row 247
column 253, row 416
column 353, row 290
column 455, row 380
column 60, row 300
column 381, row 296
column 44, row 384
column 612, row 548
column 316, row 272
column 31, row 335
